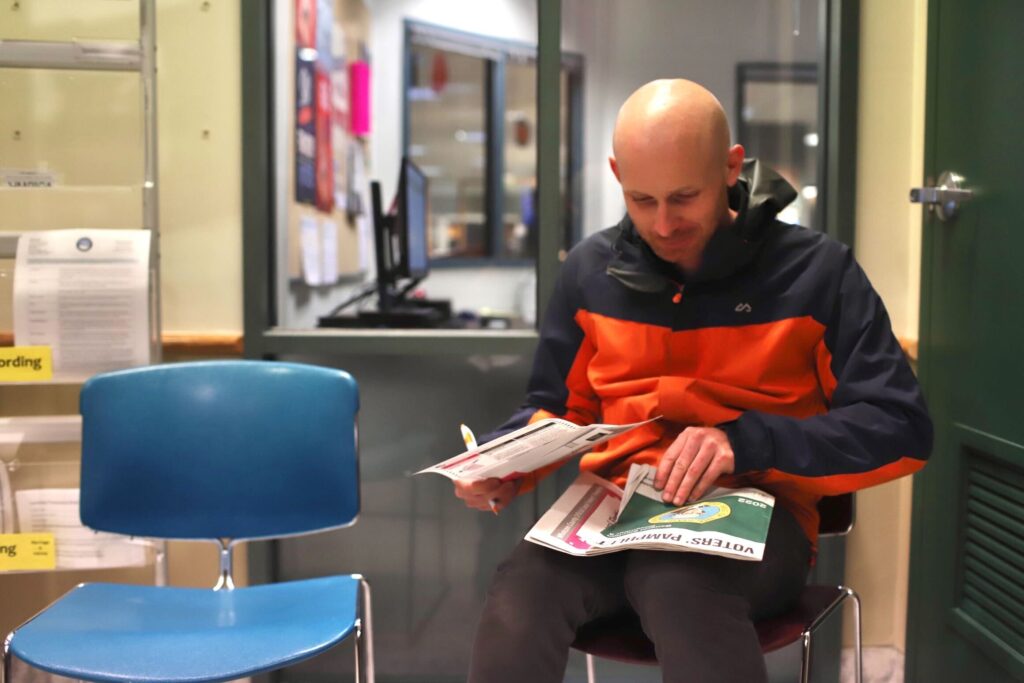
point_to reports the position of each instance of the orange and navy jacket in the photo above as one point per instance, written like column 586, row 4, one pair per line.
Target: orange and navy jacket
column 779, row 340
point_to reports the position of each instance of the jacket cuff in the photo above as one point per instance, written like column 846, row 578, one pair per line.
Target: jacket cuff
column 751, row 444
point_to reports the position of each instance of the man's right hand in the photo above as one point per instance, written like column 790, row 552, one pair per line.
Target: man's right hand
column 479, row 494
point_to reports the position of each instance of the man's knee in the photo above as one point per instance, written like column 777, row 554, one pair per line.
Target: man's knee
column 541, row 582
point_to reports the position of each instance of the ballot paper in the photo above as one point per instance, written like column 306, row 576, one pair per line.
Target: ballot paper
column 85, row 294
column 78, row 546
column 528, row 448
column 594, row 516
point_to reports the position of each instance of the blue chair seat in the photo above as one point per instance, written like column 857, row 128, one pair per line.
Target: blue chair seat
column 117, row 632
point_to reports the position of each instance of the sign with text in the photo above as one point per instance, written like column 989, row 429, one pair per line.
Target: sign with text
column 26, row 364
column 23, row 552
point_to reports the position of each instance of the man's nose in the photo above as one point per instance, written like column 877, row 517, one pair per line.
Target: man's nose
column 663, row 221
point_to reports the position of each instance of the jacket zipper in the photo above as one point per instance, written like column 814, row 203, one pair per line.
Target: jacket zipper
column 678, row 296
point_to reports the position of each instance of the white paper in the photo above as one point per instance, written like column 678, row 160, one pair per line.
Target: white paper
column 85, row 294
column 24, row 178
column 364, row 220
column 528, row 449
column 9, row 443
column 587, row 506
column 329, row 251
column 78, row 547
column 309, row 241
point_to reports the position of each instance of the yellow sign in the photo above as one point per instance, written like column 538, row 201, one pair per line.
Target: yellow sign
column 26, row 364
column 27, row 551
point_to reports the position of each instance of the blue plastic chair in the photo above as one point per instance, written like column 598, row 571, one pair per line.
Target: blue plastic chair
column 224, row 451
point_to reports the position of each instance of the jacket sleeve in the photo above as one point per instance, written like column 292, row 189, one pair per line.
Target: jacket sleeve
column 876, row 428
column 558, row 385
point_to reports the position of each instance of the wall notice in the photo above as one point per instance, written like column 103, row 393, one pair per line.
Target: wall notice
column 85, row 294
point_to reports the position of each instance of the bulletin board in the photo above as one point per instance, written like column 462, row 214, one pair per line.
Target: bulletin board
column 329, row 227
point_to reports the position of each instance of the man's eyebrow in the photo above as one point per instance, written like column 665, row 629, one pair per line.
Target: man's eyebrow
column 679, row 190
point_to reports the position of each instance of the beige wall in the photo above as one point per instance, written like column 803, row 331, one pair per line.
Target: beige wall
column 86, row 141
column 200, row 104
column 889, row 162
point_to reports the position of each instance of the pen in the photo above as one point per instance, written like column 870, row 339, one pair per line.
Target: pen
column 470, row 441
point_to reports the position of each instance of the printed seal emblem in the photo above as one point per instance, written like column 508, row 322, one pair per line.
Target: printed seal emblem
column 698, row 513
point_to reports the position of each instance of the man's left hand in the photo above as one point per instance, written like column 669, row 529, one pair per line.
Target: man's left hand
column 690, row 466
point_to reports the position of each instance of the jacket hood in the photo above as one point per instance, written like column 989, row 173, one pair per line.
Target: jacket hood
column 757, row 197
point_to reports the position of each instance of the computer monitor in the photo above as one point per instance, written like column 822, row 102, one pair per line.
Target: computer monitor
column 400, row 239
column 411, row 221
column 401, row 236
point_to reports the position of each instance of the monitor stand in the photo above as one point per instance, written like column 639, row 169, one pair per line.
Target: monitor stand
column 402, row 314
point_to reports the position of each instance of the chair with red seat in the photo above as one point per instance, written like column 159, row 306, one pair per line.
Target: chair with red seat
column 624, row 640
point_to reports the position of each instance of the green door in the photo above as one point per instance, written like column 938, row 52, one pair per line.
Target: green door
column 966, row 614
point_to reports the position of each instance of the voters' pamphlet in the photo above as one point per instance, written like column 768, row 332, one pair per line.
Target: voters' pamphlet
column 594, row 516
column 527, row 449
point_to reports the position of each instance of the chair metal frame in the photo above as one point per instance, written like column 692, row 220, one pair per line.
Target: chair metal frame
column 805, row 639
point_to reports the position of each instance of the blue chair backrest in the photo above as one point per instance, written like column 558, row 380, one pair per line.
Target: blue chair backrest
column 219, row 449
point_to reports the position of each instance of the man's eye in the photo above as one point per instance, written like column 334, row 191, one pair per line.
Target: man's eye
column 643, row 200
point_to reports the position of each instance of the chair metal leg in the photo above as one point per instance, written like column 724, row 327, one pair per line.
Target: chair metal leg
column 858, row 652
column 364, row 635
column 591, row 678
column 805, row 667
column 845, row 592
column 5, row 659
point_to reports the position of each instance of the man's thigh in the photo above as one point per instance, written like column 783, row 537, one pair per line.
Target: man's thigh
column 766, row 587
column 537, row 580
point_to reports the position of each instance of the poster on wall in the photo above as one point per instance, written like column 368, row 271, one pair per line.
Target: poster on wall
column 305, row 23
column 84, row 293
column 305, row 131
column 324, row 150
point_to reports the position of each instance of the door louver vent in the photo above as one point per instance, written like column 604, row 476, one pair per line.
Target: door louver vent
column 991, row 589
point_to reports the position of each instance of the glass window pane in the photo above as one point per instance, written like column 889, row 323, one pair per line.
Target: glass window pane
column 448, row 139
column 520, row 178
column 778, row 123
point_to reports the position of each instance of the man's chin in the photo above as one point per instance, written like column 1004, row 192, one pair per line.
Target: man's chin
column 681, row 258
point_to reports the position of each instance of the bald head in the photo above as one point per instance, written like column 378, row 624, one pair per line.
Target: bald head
column 674, row 163
column 672, row 115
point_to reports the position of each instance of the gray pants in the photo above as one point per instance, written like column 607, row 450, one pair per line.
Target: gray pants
column 698, row 610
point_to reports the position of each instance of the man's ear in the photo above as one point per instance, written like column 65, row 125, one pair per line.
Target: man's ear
column 734, row 164
column 615, row 168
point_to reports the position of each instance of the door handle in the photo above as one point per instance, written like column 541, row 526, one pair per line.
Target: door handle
column 945, row 199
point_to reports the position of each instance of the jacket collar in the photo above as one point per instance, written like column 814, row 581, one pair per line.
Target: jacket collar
column 757, row 197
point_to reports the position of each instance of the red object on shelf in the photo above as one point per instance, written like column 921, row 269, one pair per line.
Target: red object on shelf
column 359, row 98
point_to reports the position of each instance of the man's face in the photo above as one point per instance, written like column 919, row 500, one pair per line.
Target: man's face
column 676, row 201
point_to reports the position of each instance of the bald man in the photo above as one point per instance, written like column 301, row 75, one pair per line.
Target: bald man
column 771, row 361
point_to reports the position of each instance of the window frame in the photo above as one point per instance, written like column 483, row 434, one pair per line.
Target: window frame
column 498, row 52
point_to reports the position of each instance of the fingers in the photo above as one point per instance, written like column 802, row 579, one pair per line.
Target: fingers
column 506, row 492
column 668, row 459
column 692, row 464
column 715, row 469
column 479, row 494
column 681, row 481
